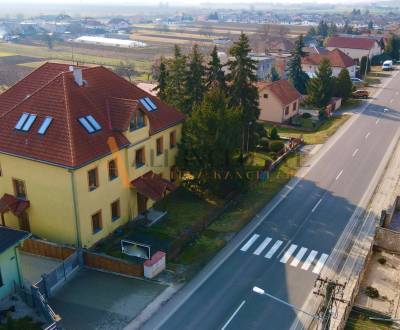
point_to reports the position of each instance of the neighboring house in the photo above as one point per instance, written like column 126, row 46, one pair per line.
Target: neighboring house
column 313, row 50
column 275, row 44
column 264, row 65
column 118, row 23
column 82, row 151
column 355, row 47
column 279, row 101
column 10, row 269
column 337, row 59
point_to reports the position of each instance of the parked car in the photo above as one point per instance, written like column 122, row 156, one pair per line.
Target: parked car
column 387, row 65
column 357, row 81
column 360, row 94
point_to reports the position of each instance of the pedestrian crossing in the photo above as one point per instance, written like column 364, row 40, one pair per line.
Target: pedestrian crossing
column 290, row 254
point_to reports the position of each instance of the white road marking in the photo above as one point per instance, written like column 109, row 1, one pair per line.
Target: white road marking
column 355, row 152
column 249, row 243
column 377, row 121
column 262, row 246
column 318, row 267
column 338, row 176
column 309, row 260
column 233, row 315
column 368, row 134
column 385, row 110
column 316, row 205
column 288, row 254
column 298, row 257
column 273, row 250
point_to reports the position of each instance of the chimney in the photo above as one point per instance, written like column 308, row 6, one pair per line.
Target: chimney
column 78, row 76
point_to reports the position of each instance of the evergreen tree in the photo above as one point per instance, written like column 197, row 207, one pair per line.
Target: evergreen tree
column 296, row 75
column 393, row 47
column 242, row 89
column 320, row 88
column 211, row 138
column 195, row 85
column 323, row 28
column 274, row 74
column 343, row 85
column 312, row 32
column 365, row 65
column 332, row 29
column 175, row 91
column 162, row 81
column 214, row 71
column 370, row 25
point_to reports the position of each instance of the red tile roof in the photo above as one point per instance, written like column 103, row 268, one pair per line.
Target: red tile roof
column 350, row 42
column 282, row 89
column 51, row 91
column 336, row 57
column 152, row 185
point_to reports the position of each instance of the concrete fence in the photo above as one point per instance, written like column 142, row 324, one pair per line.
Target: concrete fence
column 388, row 239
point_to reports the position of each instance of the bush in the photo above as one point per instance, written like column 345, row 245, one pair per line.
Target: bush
column 276, row 146
column 274, row 134
column 382, row 260
column 306, row 115
column 371, row 292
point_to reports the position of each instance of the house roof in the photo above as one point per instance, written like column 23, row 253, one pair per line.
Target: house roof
column 152, row 185
column 350, row 42
column 11, row 237
column 282, row 89
column 279, row 43
column 51, row 91
column 336, row 57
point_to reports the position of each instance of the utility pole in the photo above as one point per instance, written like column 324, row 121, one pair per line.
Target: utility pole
column 332, row 292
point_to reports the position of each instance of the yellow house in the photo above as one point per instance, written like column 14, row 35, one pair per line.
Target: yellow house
column 82, row 151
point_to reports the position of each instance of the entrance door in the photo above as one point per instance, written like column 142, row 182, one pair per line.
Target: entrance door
column 24, row 222
column 142, row 203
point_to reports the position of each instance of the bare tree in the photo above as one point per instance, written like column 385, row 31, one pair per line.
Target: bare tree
column 126, row 69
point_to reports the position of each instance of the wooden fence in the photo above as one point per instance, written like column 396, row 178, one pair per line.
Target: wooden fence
column 47, row 249
column 115, row 265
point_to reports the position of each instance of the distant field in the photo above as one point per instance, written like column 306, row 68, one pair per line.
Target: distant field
column 4, row 54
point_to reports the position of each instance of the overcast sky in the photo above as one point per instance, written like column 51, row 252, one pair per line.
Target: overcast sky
column 172, row 2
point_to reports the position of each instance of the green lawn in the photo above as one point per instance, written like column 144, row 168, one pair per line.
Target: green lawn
column 319, row 136
column 358, row 321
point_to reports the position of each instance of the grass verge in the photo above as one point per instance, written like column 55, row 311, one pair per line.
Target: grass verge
column 360, row 321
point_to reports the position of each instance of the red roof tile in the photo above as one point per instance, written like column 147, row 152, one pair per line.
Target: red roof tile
column 350, row 42
column 336, row 57
column 282, row 89
column 52, row 91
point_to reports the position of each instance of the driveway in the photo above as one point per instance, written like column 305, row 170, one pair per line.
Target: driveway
column 96, row 300
column 33, row 266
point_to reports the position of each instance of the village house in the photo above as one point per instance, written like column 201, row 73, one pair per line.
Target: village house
column 279, row 101
column 10, row 268
column 355, row 47
column 82, row 151
column 337, row 59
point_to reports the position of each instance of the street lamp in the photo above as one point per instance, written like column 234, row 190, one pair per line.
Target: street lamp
column 262, row 292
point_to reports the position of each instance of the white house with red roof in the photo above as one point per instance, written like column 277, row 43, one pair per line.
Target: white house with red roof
column 82, row 151
column 355, row 47
column 337, row 59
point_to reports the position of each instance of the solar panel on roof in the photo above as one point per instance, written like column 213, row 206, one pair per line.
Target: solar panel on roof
column 29, row 122
column 45, row 125
column 151, row 103
column 89, row 128
column 146, row 105
column 93, row 122
column 22, row 120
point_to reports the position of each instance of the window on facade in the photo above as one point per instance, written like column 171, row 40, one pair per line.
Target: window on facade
column 93, row 179
column 19, row 188
column 159, row 146
column 265, row 96
column 96, row 222
column 287, row 110
column 294, row 106
column 139, row 158
column 172, row 139
column 115, row 210
column 173, row 174
column 112, row 169
column 137, row 121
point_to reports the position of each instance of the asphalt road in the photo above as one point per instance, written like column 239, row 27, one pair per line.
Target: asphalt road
column 287, row 251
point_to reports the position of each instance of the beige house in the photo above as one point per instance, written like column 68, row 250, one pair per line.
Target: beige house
column 279, row 101
column 355, row 47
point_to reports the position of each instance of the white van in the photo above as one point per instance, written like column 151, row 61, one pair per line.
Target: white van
column 387, row 65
